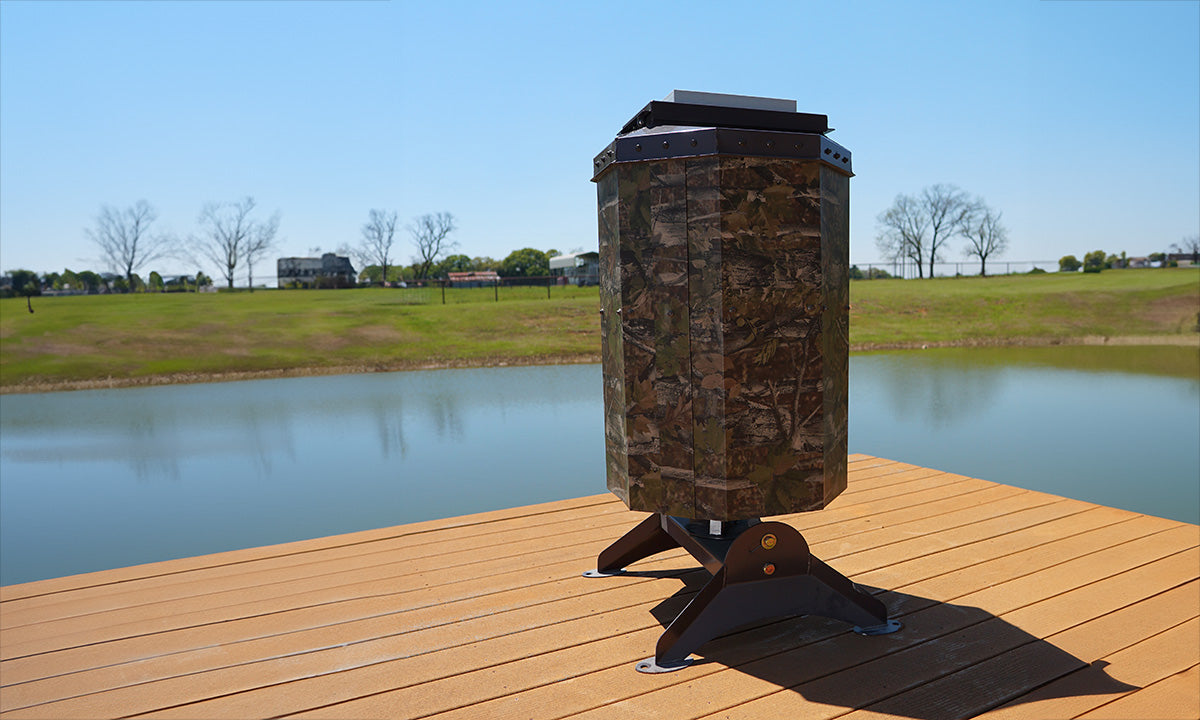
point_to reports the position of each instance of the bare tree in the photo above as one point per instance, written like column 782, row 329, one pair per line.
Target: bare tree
column 429, row 233
column 985, row 235
column 917, row 228
column 948, row 209
column 260, row 240
column 1189, row 245
column 378, row 234
column 903, row 232
column 227, row 234
column 125, row 240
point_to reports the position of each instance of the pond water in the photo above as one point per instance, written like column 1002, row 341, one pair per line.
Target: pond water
column 97, row 479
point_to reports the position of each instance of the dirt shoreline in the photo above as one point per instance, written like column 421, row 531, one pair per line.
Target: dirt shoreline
column 1189, row 340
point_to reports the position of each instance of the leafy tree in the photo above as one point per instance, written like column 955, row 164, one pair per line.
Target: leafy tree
column 483, row 262
column 1094, row 261
column 69, row 280
column 1069, row 263
column 202, row 280
column 120, row 285
column 26, row 283
column 374, row 274
column 1157, row 257
column 454, row 263
column 136, row 285
column 526, row 262
column 90, row 281
column 156, row 282
column 52, row 280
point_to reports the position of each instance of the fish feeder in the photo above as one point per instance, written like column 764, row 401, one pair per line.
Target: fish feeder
column 724, row 291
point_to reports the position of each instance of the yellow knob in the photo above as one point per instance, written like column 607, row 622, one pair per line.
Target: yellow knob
column 769, row 569
column 768, row 541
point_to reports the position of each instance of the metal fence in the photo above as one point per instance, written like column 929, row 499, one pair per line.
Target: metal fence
column 444, row 292
column 908, row 270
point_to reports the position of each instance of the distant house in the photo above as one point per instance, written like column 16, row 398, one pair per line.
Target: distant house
column 327, row 271
column 1184, row 259
column 479, row 278
column 1137, row 262
column 578, row 268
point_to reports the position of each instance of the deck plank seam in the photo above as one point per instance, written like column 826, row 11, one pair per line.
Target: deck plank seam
column 836, row 517
column 558, row 620
column 1006, row 533
column 829, row 557
column 388, row 578
column 620, row 522
column 1122, row 697
column 1118, row 573
column 1087, row 663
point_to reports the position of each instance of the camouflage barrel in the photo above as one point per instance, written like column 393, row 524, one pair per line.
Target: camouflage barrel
column 724, row 235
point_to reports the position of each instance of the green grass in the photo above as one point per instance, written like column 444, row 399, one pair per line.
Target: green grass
column 895, row 313
column 132, row 338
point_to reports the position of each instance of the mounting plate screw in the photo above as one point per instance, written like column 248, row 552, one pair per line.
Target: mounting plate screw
column 768, row 541
column 769, row 569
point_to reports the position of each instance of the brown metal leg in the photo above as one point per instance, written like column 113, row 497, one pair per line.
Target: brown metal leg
column 647, row 539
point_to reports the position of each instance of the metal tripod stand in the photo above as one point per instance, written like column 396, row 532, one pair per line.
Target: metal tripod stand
column 760, row 570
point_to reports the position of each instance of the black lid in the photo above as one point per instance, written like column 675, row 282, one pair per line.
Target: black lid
column 662, row 112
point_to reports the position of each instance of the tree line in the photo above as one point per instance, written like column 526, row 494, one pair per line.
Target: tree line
column 1098, row 260
column 235, row 236
column 434, row 258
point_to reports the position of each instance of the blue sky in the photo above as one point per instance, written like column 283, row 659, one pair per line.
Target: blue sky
column 1079, row 120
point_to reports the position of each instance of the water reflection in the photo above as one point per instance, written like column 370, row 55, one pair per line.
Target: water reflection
column 1114, row 438
column 106, row 478
column 934, row 390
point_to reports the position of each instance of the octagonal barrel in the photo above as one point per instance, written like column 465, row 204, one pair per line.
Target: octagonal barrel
column 724, row 243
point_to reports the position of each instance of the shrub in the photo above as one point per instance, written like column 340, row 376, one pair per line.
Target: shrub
column 1069, row 263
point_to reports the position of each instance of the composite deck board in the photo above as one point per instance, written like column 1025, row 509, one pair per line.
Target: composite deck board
column 1014, row 603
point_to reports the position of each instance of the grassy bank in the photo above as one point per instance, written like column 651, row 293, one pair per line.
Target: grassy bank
column 1021, row 309
column 131, row 339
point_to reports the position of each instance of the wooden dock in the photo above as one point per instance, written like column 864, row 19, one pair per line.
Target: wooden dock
column 1014, row 603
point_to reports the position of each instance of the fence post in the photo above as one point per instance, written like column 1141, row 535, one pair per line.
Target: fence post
column 548, row 281
column 496, row 290
column 443, row 284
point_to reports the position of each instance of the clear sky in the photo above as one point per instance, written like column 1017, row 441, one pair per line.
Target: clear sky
column 1079, row 120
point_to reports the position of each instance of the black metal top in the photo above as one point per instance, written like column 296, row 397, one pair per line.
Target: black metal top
column 675, row 142
column 661, row 112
